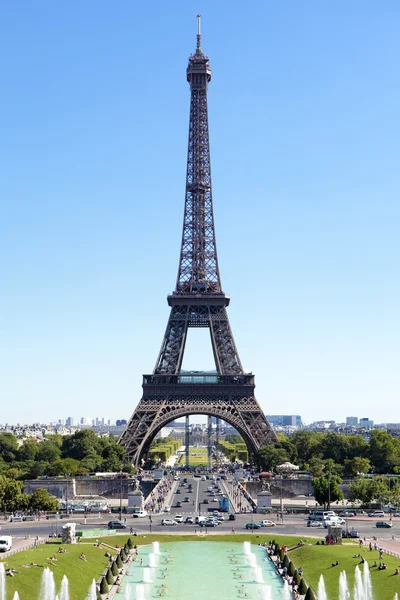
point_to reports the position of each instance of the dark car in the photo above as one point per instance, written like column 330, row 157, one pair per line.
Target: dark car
column 253, row 526
column 116, row 525
column 206, row 501
column 384, row 524
column 232, row 517
column 178, row 504
column 189, row 520
column 350, row 533
column 186, row 499
column 178, row 491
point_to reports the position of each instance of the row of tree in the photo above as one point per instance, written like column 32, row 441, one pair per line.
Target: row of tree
column 57, row 455
column 13, row 499
column 348, row 455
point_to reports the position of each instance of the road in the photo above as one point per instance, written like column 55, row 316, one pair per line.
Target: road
column 193, row 502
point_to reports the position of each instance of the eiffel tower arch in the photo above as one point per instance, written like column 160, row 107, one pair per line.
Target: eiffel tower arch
column 197, row 301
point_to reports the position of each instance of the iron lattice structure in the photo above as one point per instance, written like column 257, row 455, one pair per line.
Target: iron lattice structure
column 198, row 301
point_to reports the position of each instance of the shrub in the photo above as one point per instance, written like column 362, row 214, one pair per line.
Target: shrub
column 291, row 569
column 129, row 543
column 302, row 587
column 98, row 595
column 281, row 554
column 310, row 595
column 317, row 544
column 119, row 562
column 122, row 554
column 296, row 577
column 109, row 576
column 277, row 549
column 104, row 589
column 114, row 568
column 286, row 561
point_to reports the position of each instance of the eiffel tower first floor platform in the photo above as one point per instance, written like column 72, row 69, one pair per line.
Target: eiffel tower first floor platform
column 169, row 397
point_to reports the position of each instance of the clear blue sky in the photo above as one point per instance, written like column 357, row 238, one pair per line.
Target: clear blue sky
column 304, row 118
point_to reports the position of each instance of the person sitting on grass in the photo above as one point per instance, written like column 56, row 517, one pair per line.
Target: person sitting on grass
column 396, row 571
column 335, row 564
column 51, row 562
column 82, row 556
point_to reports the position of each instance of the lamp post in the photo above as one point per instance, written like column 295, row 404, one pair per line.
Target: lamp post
column 329, row 491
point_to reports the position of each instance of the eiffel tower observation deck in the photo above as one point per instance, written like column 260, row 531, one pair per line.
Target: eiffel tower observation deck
column 197, row 301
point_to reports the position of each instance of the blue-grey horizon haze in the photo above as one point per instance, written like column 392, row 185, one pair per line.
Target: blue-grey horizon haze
column 303, row 112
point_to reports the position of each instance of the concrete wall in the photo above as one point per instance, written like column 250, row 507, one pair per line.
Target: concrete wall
column 290, row 488
column 86, row 486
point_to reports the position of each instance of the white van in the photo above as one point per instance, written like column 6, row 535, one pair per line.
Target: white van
column 199, row 520
column 5, row 543
column 321, row 515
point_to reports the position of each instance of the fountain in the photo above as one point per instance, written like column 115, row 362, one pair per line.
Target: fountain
column 358, row 591
column 367, row 584
column 48, row 587
column 258, row 578
column 266, row 593
column 139, row 592
column 396, row 597
column 156, row 547
column 321, row 589
column 146, row 575
column 287, row 595
column 252, row 560
column 344, row 593
column 152, row 560
column 64, row 593
column 2, row 582
column 246, row 548
column 16, row 596
column 92, row 595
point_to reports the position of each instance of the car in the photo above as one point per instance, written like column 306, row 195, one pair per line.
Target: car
column 177, row 478
column 253, row 526
column 215, row 499
column 314, row 524
column 186, row 499
column 206, row 501
column 267, row 523
column 232, row 517
column 347, row 513
column 185, row 480
column 396, row 514
column 178, row 504
column 221, row 518
column 139, row 514
column 189, row 520
column 334, row 522
column 377, row 513
column 168, row 522
column 208, row 523
column 178, row 491
column 167, row 509
column 350, row 533
column 383, row 524
column 178, row 518
column 116, row 525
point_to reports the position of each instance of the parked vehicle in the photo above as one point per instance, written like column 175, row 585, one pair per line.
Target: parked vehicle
column 139, row 514
column 350, row 533
column 253, row 526
column 232, row 517
column 383, row 524
column 5, row 543
column 179, row 518
column 189, row 520
column 377, row 513
column 347, row 513
column 315, row 524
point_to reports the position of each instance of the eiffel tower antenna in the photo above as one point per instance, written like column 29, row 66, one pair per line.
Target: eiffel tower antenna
column 197, row 301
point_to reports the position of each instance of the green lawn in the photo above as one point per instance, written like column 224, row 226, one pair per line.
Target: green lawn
column 80, row 573
column 198, row 457
column 317, row 560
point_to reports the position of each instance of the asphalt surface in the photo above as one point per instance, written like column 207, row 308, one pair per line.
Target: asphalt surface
column 199, row 500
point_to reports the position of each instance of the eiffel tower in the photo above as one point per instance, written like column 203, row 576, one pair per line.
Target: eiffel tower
column 198, row 301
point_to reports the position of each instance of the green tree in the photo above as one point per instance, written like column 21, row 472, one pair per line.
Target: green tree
column 11, row 496
column 80, row 445
column 8, row 447
column 48, row 452
column 104, row 588
column 113, row 457
column 308, row 445
column 268, row 457
column 302, row 587
column 114, row 568
column 315, row 466
column 384, row 451
column 28, row 450
column 310, row 595
column 109, row 577
column 41, row 500
column 357, row 465
column 327, row 489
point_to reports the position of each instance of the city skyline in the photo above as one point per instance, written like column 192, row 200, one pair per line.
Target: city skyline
column 303, row 113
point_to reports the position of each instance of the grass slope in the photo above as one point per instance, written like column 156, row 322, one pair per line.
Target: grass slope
column 80, row 573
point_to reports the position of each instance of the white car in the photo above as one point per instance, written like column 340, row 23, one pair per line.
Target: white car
column 179, row 518
column 167, row 509
column 139, row 514
column 314, row 524
column 168, row 522
column 267, row 523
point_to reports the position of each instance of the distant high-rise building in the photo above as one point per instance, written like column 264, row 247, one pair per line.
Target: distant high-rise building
column 69, row 422
column 352, row 421
column 366, row 423
column 85, row 421
column 121, row 422
column 284, row 420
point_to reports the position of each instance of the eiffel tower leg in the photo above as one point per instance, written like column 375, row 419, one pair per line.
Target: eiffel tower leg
column 187, row 442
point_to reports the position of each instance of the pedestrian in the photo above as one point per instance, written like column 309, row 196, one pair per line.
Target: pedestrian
column 233, row 530
column 131, row 530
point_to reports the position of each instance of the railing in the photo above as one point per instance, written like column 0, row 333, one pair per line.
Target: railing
column 199, row 379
